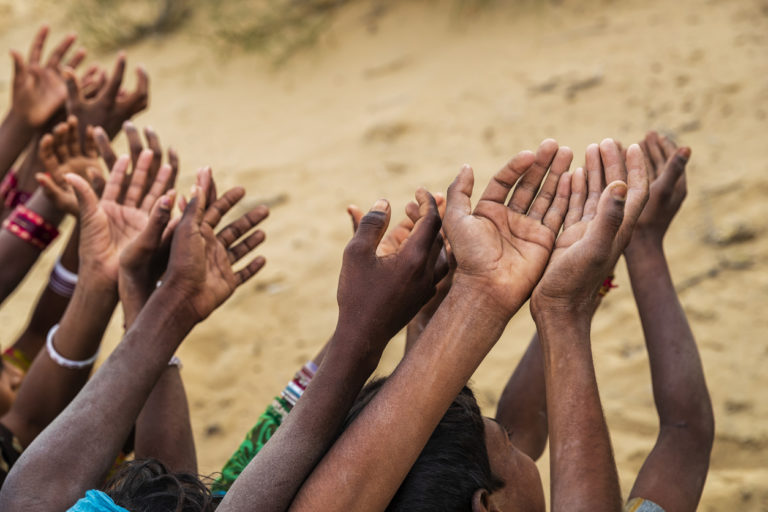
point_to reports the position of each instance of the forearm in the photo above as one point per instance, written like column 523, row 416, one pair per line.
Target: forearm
column 522, row 407
column 16, row 255
column 281, row 467
column 366, row 466
column 679, row 386
column 50, row 306
column 163, row 429
column 87, row 436
column 49, row 387
column 583, row 471
column 15, row 134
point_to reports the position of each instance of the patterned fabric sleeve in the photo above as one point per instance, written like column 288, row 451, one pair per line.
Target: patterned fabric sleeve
column 265, row 427
column 10, row 451
column 641, row 505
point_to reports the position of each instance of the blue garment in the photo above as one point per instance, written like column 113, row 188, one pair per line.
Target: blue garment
column 96, row 501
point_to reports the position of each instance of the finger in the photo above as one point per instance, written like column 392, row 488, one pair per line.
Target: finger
column 173, row 159
column 412, row 211
column 73, row 89
column 578, row 198
column 649, row 165
column 157, row 187
column 60, row 145
column 113, row 85
column 595, row 180
column 355, row 213
column 90, row 149
column 135, row 191
column 208, row 185
column 549, row 190
column 558, row 209
column 610, row 215
column 139, row 98
column 18, row 66
column 440, row 200
column 77, row 58
column 372, row 227
column 182, row 203
column 637, row 181
column 250, row 243
column 241, row 226
column 668, row 146
column 36, row 50
column 105, row 148
column 426, row 228
column 526, row 189
column 47, row 154
column 222, row 205
column 115, row 183
column 153, row 142
column 674, row 169
column 159, row 216
column 504, row 180
column 49, row 186
column 613, row 165
column 656, row 154
column 249, row 271
column 73, row 137
column 58, row 52
column 134, row 141
column 96, row 177
column 458, row 197
column 86, row 197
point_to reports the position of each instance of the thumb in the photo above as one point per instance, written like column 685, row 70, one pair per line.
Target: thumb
column 18, row 65
column 373, row 225
column 458, row 202
column 86, row 197
column 610, row 214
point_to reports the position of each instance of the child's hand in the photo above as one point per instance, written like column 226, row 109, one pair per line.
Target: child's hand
column 597, row 227
column 666, row 172
column 39, row 90
column 383, row 285
column 500, row 248
column 108, row 106
column 61, row 153
column 200, row 263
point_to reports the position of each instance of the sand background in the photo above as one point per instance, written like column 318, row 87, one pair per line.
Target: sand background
column 391, row 99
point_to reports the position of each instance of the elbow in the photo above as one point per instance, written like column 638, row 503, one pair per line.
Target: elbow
column 698, row 425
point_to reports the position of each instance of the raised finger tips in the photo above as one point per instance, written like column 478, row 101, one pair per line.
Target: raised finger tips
column 527, row 187
column 222, row 205
column 247, row 245
column 251, row 269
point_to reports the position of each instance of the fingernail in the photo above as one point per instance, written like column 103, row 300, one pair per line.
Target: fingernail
column 165, row 202
column 380, row 205
column 684, row 153
column 619, row 191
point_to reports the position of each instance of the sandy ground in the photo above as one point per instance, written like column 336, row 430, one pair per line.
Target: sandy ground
column 375, row 110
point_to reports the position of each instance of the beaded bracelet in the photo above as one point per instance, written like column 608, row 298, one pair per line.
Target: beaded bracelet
column 62, row 281
column 30, row 227
column 296, row 387
column 63, row 361
column 10, row 195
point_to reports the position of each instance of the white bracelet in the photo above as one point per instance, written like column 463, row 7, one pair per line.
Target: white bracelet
column 62, row 281
column 175, row 361
column 63, row 361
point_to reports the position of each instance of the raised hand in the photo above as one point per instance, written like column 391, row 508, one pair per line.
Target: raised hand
column 110, row 106
column 383, row 285
column 200, row 262
column 39, row 90
column 503, row 248
column 112, row 223
column 61, row 153
column 597, row 227
column 665, row 163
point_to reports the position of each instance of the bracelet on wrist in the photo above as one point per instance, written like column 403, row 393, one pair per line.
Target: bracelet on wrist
column 607, row 286
column 10, row 195
column 30, row 227
column 63, row 361
column 62, row 281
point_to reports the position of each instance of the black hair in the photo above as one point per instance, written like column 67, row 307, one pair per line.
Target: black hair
column 453, row 464
column 146, row 485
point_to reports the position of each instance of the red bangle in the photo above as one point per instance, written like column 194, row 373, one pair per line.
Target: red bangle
column 10, row 194
column 30, row 227
column 607, row 286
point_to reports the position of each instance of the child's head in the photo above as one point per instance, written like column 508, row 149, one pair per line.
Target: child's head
column 467, row 462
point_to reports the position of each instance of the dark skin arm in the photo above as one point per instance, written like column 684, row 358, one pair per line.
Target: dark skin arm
column 673, row 475
column 401, row 274
column 501, row 252
column 199, row 279
column 583, row 472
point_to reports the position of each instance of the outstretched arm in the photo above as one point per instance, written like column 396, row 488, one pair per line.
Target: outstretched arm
column 681, row 453
column 402, row 273
column 501, row 251
column 597, row 228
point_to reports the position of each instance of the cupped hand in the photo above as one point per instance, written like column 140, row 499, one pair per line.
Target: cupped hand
column 597, row 227
column 110, row 224
column 39, row 90
column 62, row 153
column 200, row 266
column 500, row 247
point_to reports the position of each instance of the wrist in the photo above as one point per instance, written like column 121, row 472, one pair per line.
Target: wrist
column 18, row 122
column 355, row 346
column 481, row 298
column 175, row 303
column 643, row 241
column 559, row 312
